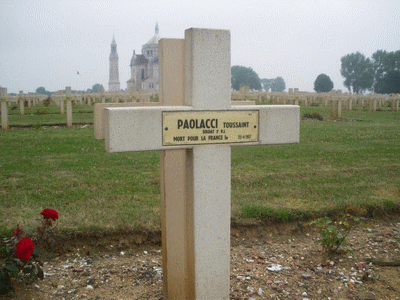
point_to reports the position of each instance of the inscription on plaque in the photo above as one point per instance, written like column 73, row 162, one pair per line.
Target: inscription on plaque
column 209, row 127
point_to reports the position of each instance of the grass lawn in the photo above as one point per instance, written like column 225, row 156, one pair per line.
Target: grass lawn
column 336, row 164
column 49, row 115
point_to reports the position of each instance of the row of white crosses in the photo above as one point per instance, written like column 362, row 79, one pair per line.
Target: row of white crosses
column 195, row 94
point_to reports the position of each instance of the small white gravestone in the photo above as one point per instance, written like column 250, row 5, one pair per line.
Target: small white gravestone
column 21, row 103
column 206, row 127
column 4, row 108
column 68, row 104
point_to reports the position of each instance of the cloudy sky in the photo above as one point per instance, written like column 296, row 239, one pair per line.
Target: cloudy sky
column 45, row 43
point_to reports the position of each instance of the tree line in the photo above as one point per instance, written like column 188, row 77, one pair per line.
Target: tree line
column 96, row 88
column 380, row 74
column 244, row 76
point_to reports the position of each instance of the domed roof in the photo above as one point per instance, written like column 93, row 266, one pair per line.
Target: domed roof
column 155, row 38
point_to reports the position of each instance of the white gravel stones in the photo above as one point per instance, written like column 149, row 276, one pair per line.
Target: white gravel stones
column 260, row 292
column 274, row 268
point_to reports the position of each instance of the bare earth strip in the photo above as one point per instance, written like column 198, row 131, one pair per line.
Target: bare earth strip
column 278, row 261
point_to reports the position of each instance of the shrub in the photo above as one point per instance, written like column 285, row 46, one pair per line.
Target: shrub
column 22, row 253
column 334, row 233
column 40, row 111
column 313, row 116
column 46, row 102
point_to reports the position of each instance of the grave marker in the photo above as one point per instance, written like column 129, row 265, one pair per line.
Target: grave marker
column 21, row 103
column 68, row 104
column 4, row 108
column 204, row 129
column 61, row 104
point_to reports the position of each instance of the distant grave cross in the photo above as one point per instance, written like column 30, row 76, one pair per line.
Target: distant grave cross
column 195, row 137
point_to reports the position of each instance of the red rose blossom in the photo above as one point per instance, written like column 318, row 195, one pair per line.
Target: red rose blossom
column 49, row 214
column 24, row 249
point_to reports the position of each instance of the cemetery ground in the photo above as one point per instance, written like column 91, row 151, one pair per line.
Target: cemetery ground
column 42, row 115
column 109, row 209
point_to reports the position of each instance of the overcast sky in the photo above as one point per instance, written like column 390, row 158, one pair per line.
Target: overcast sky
column 45, row 43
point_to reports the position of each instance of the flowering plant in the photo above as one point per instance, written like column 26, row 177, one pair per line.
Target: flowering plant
column 25, row 249
column 313, row 116
column 49, row 214
column 21, row 252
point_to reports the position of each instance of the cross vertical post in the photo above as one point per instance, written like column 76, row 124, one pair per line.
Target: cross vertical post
column 190, row 272
column 21, row 103
column 208, row 87
column 4, row 108
column 68, row 104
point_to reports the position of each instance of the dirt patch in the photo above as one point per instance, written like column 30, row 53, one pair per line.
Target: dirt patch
column 276, row 261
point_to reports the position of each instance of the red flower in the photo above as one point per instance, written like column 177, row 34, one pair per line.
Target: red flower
column 17, row 232
column 49, row 214
column 24, row 249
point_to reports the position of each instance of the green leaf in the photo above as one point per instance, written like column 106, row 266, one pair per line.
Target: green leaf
column 27, row 270
column 33, row 275
column 36, row 252
column 11, row 268
column 332, row 228
column 5, row 283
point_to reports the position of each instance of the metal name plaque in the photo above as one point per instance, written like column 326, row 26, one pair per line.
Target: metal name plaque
column 209, row 127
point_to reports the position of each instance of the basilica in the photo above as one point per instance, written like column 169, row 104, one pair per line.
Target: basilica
column 144, row 67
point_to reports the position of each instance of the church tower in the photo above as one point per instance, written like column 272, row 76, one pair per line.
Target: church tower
column 113, row 84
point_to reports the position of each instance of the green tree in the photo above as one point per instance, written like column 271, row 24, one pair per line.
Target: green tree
column 389, row 83
column 275, row 84
column 357, row 71
column 97, row 88
column 323, row 84
column 278, row 84
column 41, row 90
column 266, row 84
column 383, row 64
column 243, row 76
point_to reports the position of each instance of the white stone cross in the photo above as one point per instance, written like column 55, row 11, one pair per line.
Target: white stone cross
column 196, row 264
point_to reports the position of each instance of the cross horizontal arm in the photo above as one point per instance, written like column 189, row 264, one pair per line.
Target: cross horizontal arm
column 141, row 128
column 279, row 124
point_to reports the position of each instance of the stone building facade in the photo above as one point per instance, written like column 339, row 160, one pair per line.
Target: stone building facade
column 144, row 67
